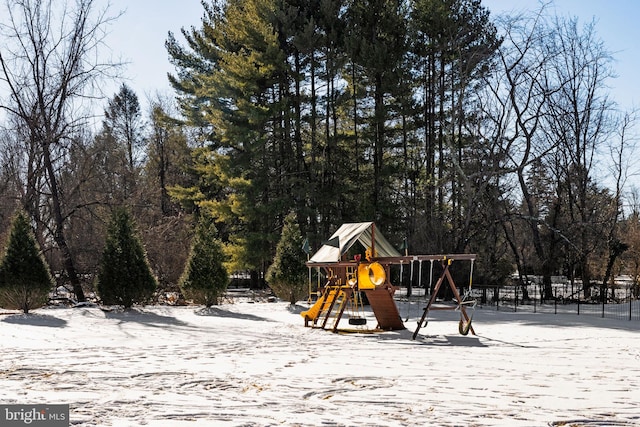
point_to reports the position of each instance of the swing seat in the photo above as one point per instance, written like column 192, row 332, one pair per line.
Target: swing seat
column 357, row 321
column 463, row 327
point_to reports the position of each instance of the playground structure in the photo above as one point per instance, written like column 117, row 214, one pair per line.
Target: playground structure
column 347, row 280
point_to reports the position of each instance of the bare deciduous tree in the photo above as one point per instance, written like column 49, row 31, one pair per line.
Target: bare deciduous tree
column 580, row 117
column 514, row 103
column 48, row 66
column 552, row 117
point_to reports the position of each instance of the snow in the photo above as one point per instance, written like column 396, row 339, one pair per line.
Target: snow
column 255, row 364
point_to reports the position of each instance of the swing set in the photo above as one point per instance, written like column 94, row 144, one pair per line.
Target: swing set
column 351, row 282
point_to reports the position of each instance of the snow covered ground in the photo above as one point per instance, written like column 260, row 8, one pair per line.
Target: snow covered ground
column 255, row 364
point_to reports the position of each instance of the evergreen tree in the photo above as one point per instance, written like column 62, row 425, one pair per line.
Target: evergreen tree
column 245, row 168
column 25, row 281
column 124, row 277
column 122, row 135
column 376, row 45
column 123, row 121
column 287, row 276
column 205, row 277
column 333, row 109
column 452, row 45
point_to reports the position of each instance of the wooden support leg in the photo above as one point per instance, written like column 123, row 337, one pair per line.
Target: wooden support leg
column 330, row 309
column 323, row 297
column 347, row 293
column 431, row 301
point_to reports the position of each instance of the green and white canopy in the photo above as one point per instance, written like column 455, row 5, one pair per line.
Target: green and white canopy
column 346, row 236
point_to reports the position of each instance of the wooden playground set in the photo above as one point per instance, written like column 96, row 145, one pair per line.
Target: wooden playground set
column 350, row 281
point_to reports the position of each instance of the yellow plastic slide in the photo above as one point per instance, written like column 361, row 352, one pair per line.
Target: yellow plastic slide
column 319, row 306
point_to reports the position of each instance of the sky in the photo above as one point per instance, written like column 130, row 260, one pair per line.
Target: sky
column 615, row 24
column 138, row 37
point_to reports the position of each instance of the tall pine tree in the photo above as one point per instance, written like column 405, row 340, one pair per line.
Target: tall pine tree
column 244, row 167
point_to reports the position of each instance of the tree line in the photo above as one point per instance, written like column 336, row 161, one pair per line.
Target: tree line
column 453, row 129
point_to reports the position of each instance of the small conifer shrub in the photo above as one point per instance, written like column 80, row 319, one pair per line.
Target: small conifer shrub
column 25, row 280
column 124, row 276
column 287, row 276
column 205, row 278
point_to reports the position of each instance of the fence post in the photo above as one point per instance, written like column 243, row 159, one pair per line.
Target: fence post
column 555, row 302
column 603, row 291
column 629, row 296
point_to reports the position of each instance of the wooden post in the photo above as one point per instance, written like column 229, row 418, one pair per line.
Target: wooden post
column 347, row 293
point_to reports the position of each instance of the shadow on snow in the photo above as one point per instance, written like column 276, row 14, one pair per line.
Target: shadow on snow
column 33, row 319
column 143, row 317
column 219, row 312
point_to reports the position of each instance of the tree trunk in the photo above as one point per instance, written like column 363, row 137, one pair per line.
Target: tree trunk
column 616, row 248
column 58, row 235
column 378, row 149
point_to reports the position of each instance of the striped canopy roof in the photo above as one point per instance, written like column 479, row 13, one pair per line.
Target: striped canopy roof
column 346, row 236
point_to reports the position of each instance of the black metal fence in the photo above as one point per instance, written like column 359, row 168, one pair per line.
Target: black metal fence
column 621, row 302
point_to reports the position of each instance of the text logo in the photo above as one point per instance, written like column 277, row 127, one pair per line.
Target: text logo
column 34, row 415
